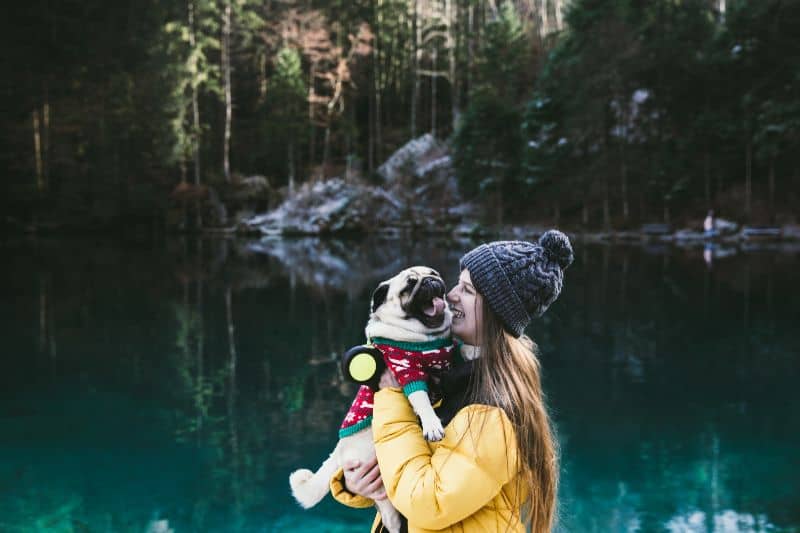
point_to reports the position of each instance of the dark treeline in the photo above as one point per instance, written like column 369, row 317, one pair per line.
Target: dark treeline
column 592, row 112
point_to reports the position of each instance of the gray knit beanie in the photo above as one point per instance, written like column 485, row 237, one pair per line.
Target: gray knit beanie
column 518, row 279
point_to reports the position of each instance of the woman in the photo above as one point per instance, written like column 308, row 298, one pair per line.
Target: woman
column 497, row 467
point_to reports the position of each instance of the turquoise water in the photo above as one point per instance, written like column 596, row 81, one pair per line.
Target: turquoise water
column 127, row 403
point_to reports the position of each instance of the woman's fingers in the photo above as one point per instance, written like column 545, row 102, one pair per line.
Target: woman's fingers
column 364, row 478
column 368, row 479
column 351, row 464
column 375, row 488
column 373, row 474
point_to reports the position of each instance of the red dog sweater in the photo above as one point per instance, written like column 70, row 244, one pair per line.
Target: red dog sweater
column 410, row 363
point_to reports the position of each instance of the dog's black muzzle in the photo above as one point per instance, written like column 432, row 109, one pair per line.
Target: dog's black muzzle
column 422, row 295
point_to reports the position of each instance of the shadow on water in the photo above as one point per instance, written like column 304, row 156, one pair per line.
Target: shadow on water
column 175, row 385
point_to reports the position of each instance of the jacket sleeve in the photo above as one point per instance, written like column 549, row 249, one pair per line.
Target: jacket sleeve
column 344, row 496
column 437, row 488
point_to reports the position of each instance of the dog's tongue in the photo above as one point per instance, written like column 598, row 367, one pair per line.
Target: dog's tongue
column 436, row 307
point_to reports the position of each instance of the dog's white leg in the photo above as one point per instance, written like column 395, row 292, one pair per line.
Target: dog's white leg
column 431, row 425
column 389, row 516
column 361, row 447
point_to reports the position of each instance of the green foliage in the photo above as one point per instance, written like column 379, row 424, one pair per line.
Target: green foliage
column 503, row 60
column 488, row 141
column 487, row 146
column 658, row 101
column 546, row 148
column 632, row 104
column 288, row 92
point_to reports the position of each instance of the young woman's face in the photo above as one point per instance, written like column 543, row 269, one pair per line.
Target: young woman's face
column 467, row 307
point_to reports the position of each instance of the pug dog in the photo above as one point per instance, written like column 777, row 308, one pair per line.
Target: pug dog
column 409, row 323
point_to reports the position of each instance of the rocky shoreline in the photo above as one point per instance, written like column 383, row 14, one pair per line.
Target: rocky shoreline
column 416, row 193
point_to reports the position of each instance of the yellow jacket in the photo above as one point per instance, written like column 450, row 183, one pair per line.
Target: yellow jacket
column 465, row 482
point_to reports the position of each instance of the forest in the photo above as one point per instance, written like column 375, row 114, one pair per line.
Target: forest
column 586, row 113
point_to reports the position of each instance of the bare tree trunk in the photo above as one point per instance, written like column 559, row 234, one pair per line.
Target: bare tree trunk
column 326, row 149
column 545, row 18
column 470, row 46
column 371, row 128
column 417, row 50
column 493, row 7
column 433, row 92
column 226, row 67
column 559, row 15
column 195, row 118
column 37, row 149
column 262, row 77
column 195, row 105
column 46, row 136
column 452, row 26
column 312, row 145
column 378, row 86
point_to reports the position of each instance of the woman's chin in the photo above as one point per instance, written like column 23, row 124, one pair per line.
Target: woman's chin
column 461, row 335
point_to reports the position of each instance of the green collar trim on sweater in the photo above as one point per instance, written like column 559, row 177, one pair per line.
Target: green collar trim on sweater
column 414, row 346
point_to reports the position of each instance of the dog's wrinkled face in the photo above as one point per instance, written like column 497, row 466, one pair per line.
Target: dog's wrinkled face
column 414, row 300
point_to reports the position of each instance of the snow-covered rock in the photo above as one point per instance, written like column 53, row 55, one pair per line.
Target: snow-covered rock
column 408, row 158
column 725, row 227
column 331, row 206
column 420, row 192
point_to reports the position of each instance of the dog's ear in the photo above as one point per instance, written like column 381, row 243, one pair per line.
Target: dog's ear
column 379, row 296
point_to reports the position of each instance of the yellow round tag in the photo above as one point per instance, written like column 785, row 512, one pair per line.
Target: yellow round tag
column 362, row 367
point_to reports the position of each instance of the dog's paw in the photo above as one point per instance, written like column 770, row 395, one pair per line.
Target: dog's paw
column 433, row 430
column 299, row 477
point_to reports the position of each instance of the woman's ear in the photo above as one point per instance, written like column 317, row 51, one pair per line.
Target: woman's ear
column 379, row 296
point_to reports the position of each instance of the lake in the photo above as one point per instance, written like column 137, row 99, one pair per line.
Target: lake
column 174, row 384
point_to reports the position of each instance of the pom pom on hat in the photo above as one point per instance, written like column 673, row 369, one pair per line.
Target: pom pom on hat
column 558, row 247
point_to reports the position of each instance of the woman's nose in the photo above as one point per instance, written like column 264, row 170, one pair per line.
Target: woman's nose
column 451, row 296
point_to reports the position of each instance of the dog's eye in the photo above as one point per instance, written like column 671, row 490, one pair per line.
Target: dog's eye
column 410, row 284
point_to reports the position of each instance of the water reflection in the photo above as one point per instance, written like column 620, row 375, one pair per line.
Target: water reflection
column 173, row 386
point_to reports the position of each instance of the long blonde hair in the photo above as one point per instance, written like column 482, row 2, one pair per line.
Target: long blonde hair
column 507, row 375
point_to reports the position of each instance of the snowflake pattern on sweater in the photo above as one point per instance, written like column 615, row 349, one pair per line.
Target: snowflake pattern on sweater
column 411, row 364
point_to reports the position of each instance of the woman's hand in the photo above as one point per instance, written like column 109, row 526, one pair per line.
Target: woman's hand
column 388, row 380
column 364, row 479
